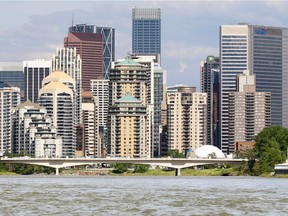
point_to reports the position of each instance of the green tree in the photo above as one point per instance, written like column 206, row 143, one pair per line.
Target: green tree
column 271, row 147
column 141, row 168
column 174, row 153
column 120, row 167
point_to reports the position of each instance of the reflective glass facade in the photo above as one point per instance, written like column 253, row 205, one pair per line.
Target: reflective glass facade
column 12, row 74
column 146, row 31
column 269, row 51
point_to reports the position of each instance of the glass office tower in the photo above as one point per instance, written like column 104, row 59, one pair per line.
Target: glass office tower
column 263, row 50
column 146, row 31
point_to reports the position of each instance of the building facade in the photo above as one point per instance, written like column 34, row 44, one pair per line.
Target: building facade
column 68, row 61
column 34, row 72
column 12, row 74
column 9, row 99
column 100, row 89
column 249, row 47
column 33, row 133
column 57, row 98
column 90, row 48
column 186, row 118
column 108, row 38
column 92, row 143
column 249, row 111
column 146, row 31
column 129, row 116
column 210, row 84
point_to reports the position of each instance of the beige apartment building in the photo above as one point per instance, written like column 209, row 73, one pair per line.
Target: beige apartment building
column 129, row 120
column 249, row 111
column 186, row 118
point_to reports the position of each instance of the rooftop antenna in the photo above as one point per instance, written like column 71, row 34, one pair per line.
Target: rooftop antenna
column 73, row 19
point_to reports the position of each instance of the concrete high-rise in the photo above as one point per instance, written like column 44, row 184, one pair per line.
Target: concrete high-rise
column 34, row 72
column 68, row 61
column 146, row 31
column 12, row 74
column 33, row 133
column 92, row 143
column 90, row 48
column 263, row 51
column 186, row 118
column 210, row 81
column 100, row 89
column 108, row 38
column 129, row 118
column 57, row 96
column 249, row 111
column 9, row 99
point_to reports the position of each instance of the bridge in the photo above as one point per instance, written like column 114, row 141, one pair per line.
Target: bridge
column 176, row 163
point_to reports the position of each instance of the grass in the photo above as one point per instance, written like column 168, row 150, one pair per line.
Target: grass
column 184, row 172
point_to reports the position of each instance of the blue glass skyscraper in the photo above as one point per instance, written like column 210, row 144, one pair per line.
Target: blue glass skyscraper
column 146, row 31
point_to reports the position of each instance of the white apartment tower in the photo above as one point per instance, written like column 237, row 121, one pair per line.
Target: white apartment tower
column 90, row 115
column 58, row 99
column 100, row 89
column 9, row 99
column 33, row 133
column 68, row 61
column 186, row 118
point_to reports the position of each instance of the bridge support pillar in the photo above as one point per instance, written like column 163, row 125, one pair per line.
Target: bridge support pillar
column 57, row 171
column 178, row 172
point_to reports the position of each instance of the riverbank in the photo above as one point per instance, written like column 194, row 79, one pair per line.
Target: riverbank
column 155, row 172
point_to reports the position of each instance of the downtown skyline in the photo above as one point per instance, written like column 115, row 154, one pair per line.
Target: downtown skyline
column 190, row 29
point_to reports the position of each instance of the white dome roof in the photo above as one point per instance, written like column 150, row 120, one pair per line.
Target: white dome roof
column 204, row 151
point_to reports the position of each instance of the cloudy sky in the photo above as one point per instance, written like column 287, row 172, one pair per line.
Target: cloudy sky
column 190, row 29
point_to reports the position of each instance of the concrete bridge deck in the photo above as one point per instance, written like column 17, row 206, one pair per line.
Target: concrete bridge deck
column 176, row 163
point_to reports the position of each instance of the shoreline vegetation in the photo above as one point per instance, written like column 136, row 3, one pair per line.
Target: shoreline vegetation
column 151, row 172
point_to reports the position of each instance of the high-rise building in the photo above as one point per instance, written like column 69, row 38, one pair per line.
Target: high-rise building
column 146, row 31
column 68, row 61
column 12, row 74
column 210, row 81
column 92, row 144
column 100, row 89
column 9, row 99
column 34, row 72
column 108, row 38
column 154, row 96
column 263, row 51
column 129, row 117
column 57, row 97
column 33, row 133
column 90, row 48
column 186, row 118
column 249, row 111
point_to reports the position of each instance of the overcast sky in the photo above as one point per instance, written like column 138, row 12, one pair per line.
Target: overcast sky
column 190, row 29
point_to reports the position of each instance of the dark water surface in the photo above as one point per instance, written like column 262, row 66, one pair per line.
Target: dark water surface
column 104, row 195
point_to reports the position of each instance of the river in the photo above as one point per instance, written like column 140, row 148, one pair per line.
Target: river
column 109, row 195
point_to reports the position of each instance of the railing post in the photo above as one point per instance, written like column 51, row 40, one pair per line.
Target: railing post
column 178, row 172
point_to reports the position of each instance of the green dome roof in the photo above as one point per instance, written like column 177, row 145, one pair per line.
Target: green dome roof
column 128, row 61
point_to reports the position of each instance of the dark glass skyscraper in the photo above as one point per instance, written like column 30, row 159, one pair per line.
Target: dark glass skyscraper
column 146, row 31
column 12, row 74
column 210, row 84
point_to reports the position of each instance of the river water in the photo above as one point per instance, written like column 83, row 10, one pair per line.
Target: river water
column 109, row 195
